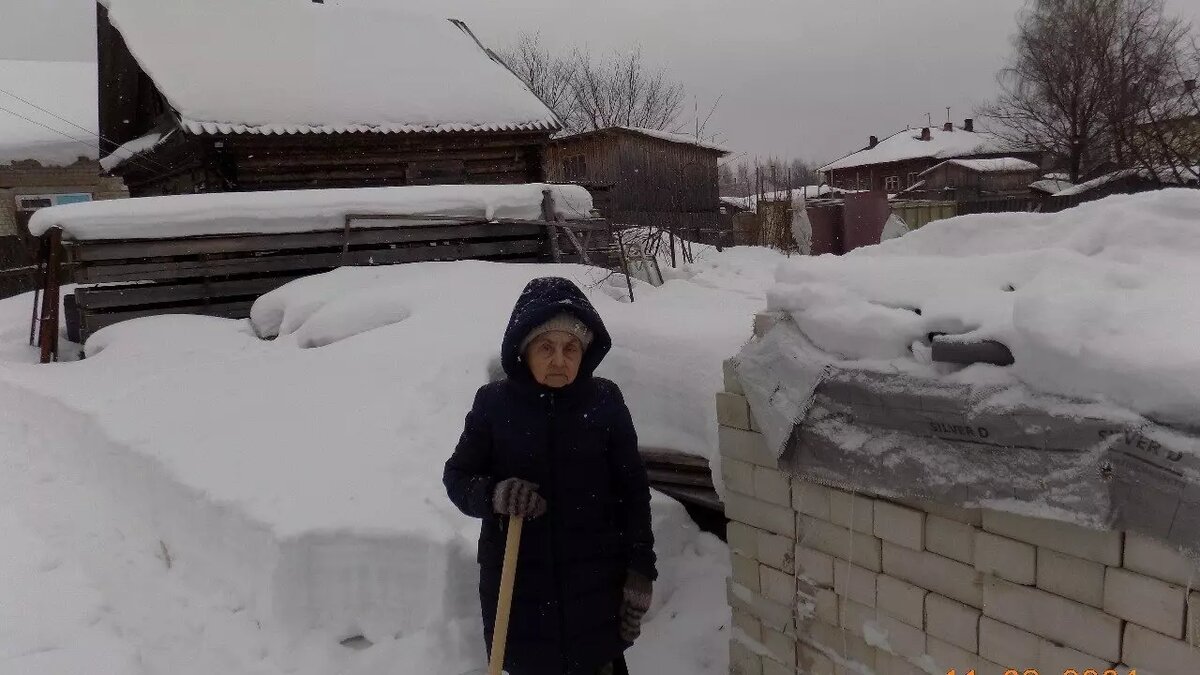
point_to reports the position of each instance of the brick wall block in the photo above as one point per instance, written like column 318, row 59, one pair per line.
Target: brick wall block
column 1156, row 559
column 902, row 639
column 733, row 410
column 772, row 486
column 933, row 572
column 1151, row 651
column 777, row 586
column 743, row 660
column 770, row 517
column 854, row 616
column 899, row 525
column 854, row 582
column 950, row 539
column 1145, row 601
column 1007, row 645
column 811, row 499
column 1075, row 578
column 841, row 642
column 952, row 621
column 742, row 539
column 815, row 566
column 1095, row 545
column 852, row 510
column 770, row 614
column 1006, row 558
column 748, row 446
column 738, row 475
column 861, row 549
column 901, row 599
column 973, row 517
column 1064, row 621
column 777, row 551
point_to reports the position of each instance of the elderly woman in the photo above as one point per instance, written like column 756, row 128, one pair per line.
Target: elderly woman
column 556, row 446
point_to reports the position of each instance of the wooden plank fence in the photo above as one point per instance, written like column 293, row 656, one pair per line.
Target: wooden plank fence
column 223, row 275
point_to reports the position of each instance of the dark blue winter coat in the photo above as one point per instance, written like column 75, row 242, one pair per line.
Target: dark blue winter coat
column 578, row 443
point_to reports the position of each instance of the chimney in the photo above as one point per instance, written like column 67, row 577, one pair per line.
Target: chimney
column 1189, row 86
column 926, row 135
column 948, row 126
column 969, row 124
column 874, row 142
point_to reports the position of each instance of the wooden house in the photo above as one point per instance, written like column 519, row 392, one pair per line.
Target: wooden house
column 643, row 177
column 227, row 95
column 965, row 179
column 897, row 162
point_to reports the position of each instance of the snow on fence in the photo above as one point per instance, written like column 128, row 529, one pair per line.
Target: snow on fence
column 215, row 254
column 832, row 580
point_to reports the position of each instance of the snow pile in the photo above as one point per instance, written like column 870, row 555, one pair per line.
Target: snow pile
column 53, row 118
column 285, row 211
column 1096, row 302
column 131, row 149
column 295, row 482
column 796, row 195
column 325, row 69
column 907, row 145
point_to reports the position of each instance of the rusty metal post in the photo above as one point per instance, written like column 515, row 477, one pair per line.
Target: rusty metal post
column 39, row 280
column 48, row 328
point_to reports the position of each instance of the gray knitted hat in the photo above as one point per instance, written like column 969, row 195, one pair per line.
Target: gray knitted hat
column 564, row 322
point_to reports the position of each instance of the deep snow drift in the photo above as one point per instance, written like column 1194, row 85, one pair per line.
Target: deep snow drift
column 275, row 496
column 1097, row 302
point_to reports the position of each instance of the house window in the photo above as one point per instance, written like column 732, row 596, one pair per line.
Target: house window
column 892, row 183
column 575, row 168
column 35, row 202
column 913, row 178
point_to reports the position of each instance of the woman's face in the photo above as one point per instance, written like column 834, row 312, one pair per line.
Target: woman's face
column 554, row 358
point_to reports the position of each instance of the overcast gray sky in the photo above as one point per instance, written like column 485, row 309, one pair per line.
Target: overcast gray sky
column 807, row 79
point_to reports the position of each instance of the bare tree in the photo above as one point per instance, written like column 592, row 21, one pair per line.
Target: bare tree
column 1053, row 91
column 549, row 75
column 1164, row 135
column 622, row 91
column 1085, row 77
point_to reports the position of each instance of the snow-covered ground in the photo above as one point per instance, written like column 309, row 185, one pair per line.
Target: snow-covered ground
column 192, row 498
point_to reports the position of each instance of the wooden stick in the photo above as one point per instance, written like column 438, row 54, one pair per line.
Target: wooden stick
column 508, row 577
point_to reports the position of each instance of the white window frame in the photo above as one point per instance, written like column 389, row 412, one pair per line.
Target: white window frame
column 891, row 183
column 913, row 178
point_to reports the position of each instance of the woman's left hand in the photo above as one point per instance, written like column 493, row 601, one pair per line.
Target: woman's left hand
column 638, row 593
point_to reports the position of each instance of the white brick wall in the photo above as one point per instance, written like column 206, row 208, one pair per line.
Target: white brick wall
column 1006, row 558
column 1075, row 578
column 1065, row 621
column 901, row 600
column 899, row 525
column 1103, row 547
column 950, row 538
column 1147, row 602
column 952, row 621
column 822, row 577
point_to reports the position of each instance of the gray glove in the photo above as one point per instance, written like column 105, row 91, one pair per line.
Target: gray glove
column 638, row 593
column 516, row 497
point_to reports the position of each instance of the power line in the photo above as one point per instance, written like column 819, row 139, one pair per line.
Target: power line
column 116, row 146
column 68, row 136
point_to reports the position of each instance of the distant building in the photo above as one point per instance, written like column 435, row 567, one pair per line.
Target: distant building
column 643, row 176
column 963, row 179
column 48, row 140
column 897, row 162
column 229, row 95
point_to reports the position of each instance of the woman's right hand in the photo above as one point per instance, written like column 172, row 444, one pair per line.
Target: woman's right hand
column 517, row 497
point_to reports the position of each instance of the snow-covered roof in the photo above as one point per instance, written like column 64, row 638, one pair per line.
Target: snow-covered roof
column 1050, row 185
column 1163, row 175
column 300, row 210
column 995, row 165
column 670, row 137
column 131, row 149
column 677, row 138
column 56, row 122
column 907, row 145
column 292, row 66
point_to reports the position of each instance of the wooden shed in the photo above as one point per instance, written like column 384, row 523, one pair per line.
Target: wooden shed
column 647, row 177
column 226, row 95
column 960, row 179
